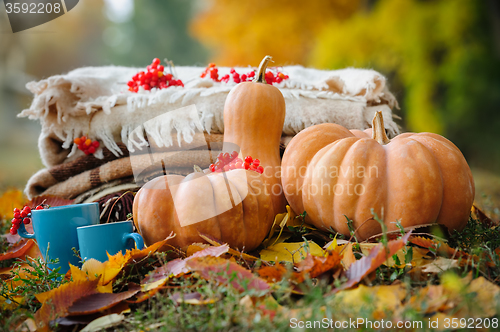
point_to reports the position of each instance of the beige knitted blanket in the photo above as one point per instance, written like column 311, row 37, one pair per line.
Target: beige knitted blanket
column 95, row 102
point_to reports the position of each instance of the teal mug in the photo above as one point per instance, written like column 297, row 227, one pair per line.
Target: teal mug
column 55, row 229
column 97, row 240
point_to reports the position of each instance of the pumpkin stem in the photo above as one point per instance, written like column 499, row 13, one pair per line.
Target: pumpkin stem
column 379, row 130
column 261, row 72
column 197, row 169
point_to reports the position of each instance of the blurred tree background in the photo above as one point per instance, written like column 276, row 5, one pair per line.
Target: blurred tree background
column 441, row 57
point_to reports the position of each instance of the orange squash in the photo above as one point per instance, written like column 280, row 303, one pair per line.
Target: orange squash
column 254, row 114
column 333, row 173
column 231, row 206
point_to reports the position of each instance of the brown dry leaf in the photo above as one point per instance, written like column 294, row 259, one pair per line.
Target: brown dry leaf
column 439, row 265
column 315, row 266
column 192, row 298
column 18, row 250
column 478, row 214
column 224, row 271
column 440, row 247
column 178, row 266
column 311, row 266
column 195, row 247
column 370, row 263
column 234, row 252
column 348, row 257
column 273, row 273
column 55, row 303
column 9, row 200
column 486, row 298
column 98, row 302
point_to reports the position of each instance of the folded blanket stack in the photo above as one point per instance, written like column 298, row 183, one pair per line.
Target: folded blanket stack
column 181, row 126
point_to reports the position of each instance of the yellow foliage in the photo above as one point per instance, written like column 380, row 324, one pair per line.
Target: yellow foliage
column 242, row 32
column 416, row 43
column 9, row 200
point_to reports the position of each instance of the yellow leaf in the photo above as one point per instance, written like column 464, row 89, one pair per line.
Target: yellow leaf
column 83, row 274
column 347, row 256
column 153, row 285
column 282, row 252
column 384, row 298
column 8, row 201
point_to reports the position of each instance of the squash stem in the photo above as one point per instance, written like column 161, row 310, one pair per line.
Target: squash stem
column 379, row 130
column 261, row 72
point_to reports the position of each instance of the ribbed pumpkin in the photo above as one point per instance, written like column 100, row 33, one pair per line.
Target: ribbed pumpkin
column 254, row 114
column 333, row 173
column 231, row 206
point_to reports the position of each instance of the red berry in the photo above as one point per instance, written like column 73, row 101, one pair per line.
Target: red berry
column 161, row 68
column 251, row 74
column 154, row 83
column 146, row 87
column 17, row 215
column 212, row 168
column 26, row 221
column 226, row 168
column 95, row 144
column 39, row 207
column 260, row 169
column 232, row 71
column 256, row 162
column 234, row 154
column 131, row 83
column 91, row 150
column 243, row 77
column 248, row 159
column 246, row 165
column 156, row 61
column 24, row 214
column 13, row 231
column 226, row 157
column 238, row 164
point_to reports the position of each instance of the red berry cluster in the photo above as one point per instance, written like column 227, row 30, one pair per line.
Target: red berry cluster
column 237, row 78
column 226, row 162
column 213, row 73
column 154, row 77
column 86, row 145
column 23, row 216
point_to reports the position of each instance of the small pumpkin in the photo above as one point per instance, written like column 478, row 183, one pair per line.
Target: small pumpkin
column 231, row 206
column 254, row 114
column 333, row 173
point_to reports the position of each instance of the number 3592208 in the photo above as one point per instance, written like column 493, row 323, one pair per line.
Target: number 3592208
column 32, row 8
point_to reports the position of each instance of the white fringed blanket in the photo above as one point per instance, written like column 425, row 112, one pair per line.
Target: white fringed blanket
column 95, row 102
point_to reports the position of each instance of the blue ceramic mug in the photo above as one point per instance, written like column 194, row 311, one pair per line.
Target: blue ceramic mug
column 96, row 240
column 55, row 229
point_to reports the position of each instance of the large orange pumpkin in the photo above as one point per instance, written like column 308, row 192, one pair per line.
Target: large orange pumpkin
column 254, row 114
column 231, row 206
column 333, row 173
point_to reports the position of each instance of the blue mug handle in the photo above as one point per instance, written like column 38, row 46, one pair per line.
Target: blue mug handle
column 23, row 233
column 136, row 237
